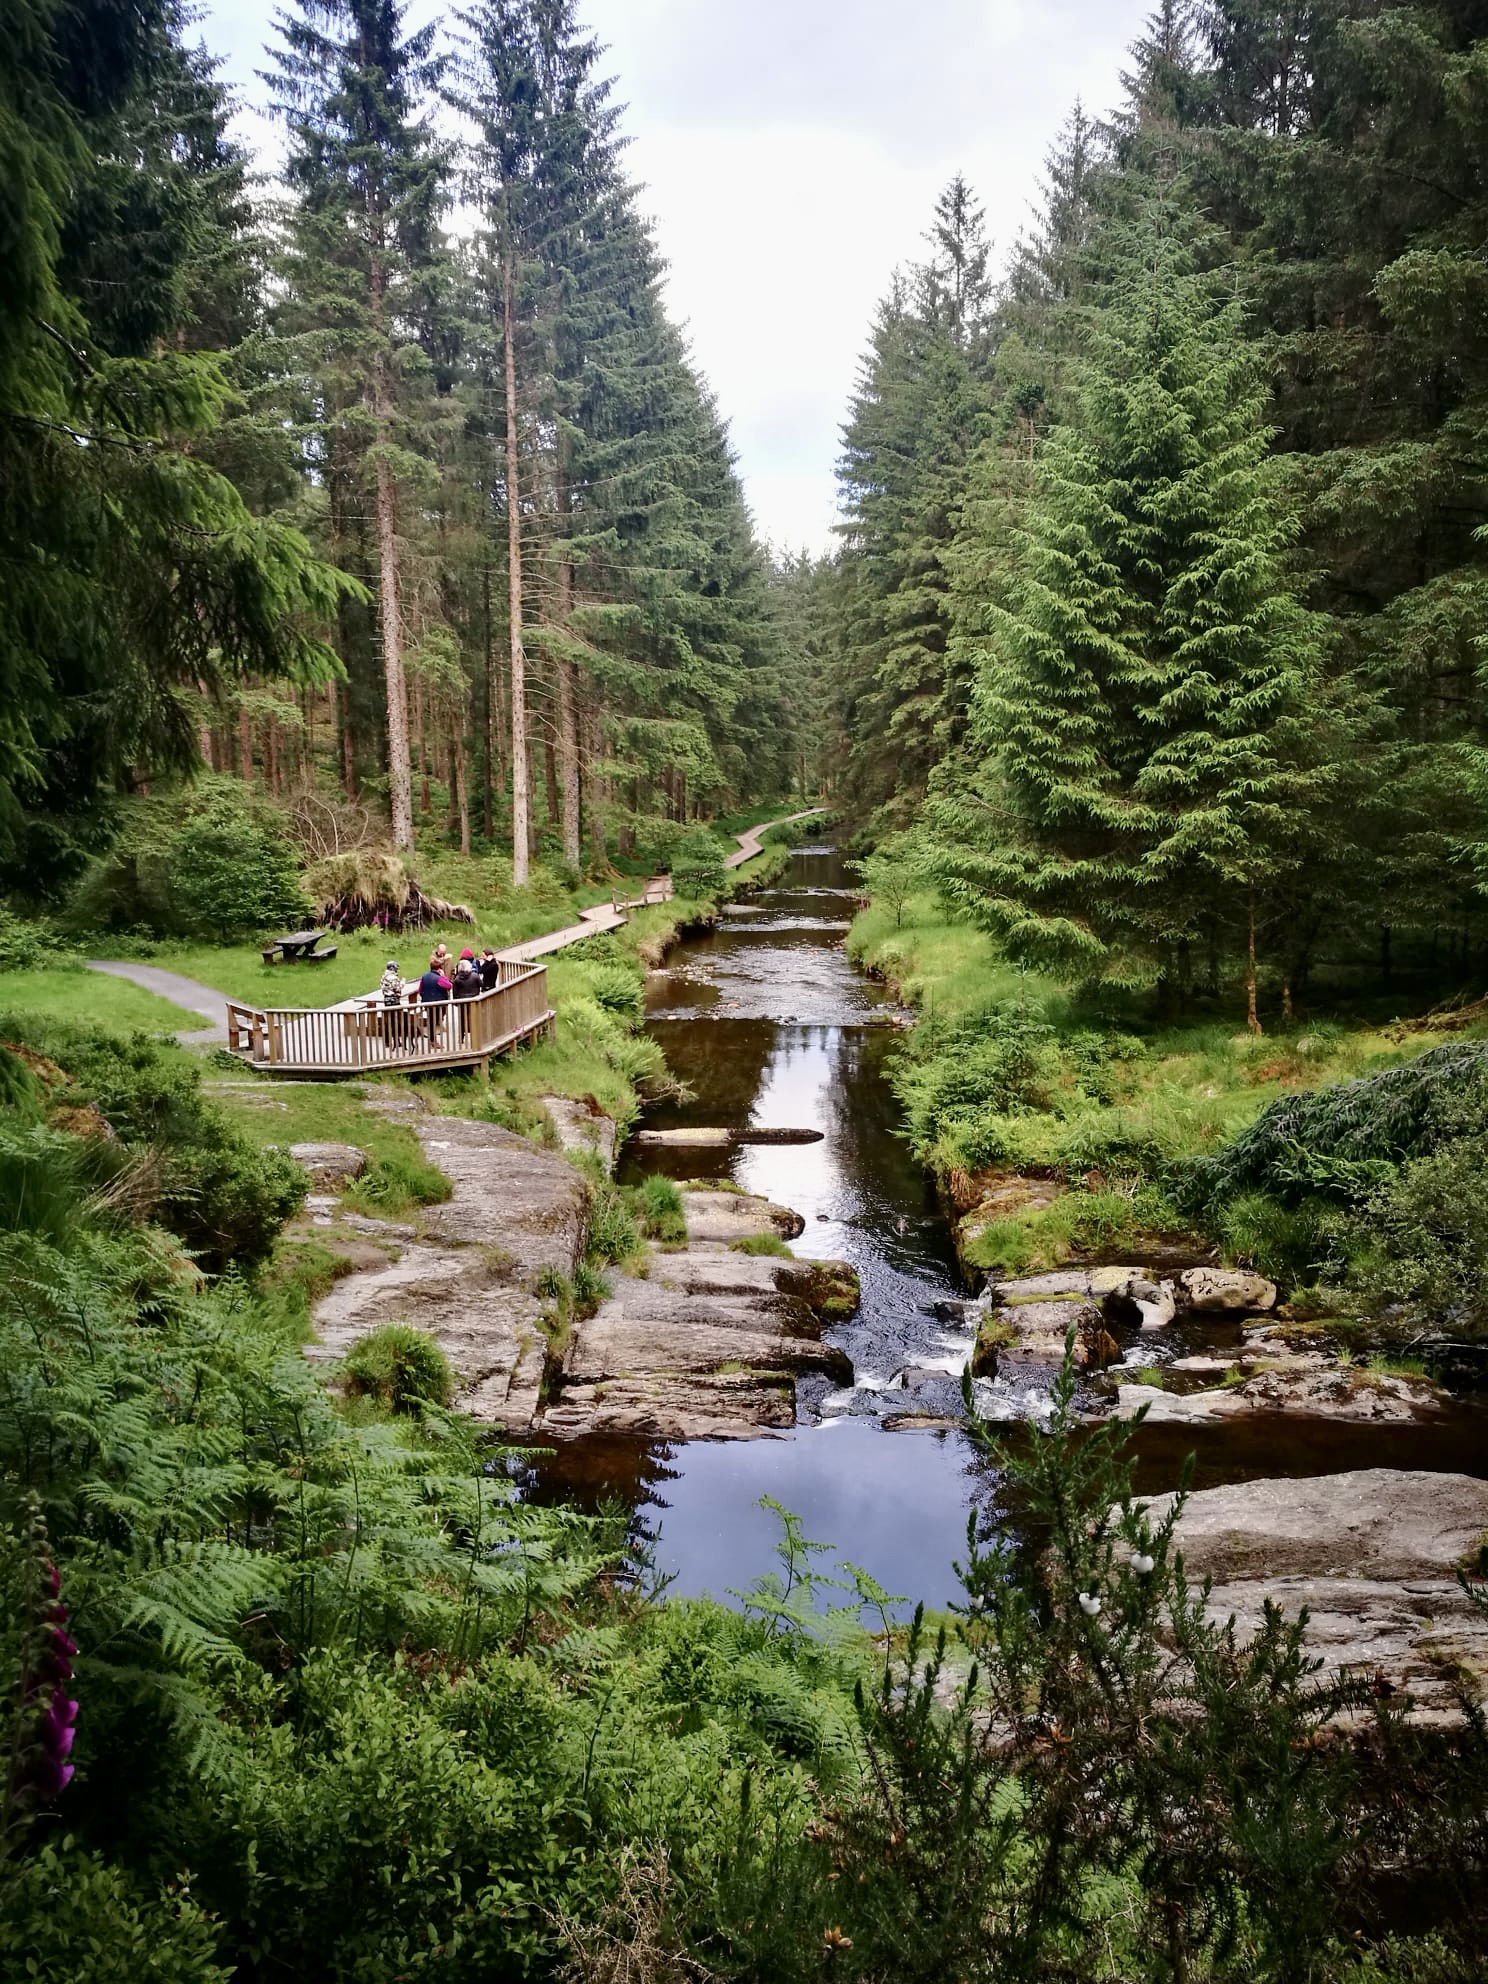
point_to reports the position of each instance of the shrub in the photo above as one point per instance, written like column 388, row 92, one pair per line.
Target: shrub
column 401, row 1367
column 617, row 991
column 769, row 1244
column 1341, row 1142
column 68, row 1917
column 1422, row 1239
column 614, row 1235
column 26, row 942
column 1003, row 1059
column 187, row 1166
column 212, row 863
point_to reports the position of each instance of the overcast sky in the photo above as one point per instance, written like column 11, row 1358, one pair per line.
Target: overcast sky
column 791, row 152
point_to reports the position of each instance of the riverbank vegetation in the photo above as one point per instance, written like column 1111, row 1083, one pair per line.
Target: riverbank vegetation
column 369, row 570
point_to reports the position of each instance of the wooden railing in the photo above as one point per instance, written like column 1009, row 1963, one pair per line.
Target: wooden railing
column 366, row 1034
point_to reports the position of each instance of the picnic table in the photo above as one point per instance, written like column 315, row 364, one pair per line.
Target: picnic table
column 299, row 947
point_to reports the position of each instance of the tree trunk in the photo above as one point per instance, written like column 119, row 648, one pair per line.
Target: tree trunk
column 462, row 794
column 487, row 724
column 271, row 753
column 1252, row 1016
column 421, row 729
column 521, row 856
column 568, row 692
column 594, row 787
column 245, row 745
column 550, row 778
column 389, row 587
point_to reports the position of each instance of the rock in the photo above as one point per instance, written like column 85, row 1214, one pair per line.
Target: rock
column 1030, row 1287
column 1331, row 1392
column 473, row 1277
column 1371, row 1555
column 1155, row 1302
column 1373, row 1522
column 330, row 1165
column 1204, row 1367
column 1033, row 1325
column 1228, row 1289
column 580, row 1126
column 729, row 1216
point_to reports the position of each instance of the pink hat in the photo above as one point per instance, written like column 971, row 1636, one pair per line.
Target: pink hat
column 467, row 954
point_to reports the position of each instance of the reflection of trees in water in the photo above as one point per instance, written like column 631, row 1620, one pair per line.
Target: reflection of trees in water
column 722, row 1061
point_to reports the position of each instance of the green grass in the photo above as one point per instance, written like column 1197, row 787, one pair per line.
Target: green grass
column 1107, row 1106
column 281, row 1112
column 762, row 1243
column 93, row 998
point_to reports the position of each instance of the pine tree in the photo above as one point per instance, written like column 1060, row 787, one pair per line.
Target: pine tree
column 1145, row 689
column 367, row 176
column 919, row 412
column 135, row 576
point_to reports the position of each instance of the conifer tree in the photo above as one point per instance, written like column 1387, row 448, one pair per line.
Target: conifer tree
column 134, row 574
column 367, row 176
column 1146, row 685
column 916, row 418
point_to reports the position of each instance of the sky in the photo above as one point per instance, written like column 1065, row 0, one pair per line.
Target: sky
column 790, row 153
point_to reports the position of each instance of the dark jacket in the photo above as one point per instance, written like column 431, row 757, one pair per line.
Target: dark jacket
column 467, row 979
column 434, row 988
column 490, row 971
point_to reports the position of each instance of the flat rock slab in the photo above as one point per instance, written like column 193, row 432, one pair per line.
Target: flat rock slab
column 470, row 1278
column 1373, row 1522
column 1305, row 1387
column 727, row 1405
column 1371, row 1554
column 730, row 1216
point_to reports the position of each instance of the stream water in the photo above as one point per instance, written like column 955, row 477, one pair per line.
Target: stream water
column 770, row 1024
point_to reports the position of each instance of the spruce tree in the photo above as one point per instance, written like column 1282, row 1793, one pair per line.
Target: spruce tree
column 367, row 179
column 917, row 416
column 1146, row 685
column 134, row 575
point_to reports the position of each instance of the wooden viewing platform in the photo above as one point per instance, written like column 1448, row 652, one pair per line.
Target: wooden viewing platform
column 362, row 1034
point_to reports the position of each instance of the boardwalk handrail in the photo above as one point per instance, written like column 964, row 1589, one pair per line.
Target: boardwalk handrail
column 365, row 1034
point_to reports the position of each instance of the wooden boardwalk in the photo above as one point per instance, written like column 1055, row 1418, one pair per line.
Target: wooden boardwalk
column 361, row 1035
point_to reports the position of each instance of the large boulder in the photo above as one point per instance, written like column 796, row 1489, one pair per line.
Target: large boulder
column 1229, row 1290
column 1371, row 1556
column 1029, row 1318
column 330, row 1165
column 1374, row 1522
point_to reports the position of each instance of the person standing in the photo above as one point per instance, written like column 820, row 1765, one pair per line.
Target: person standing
column 490, row 970
column 390, row 996
column 434, row 992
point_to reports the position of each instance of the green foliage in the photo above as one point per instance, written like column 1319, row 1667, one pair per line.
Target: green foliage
column 400, row 1367
column 1340, row 1143
column 769, row 1244
column 170, row 1152
column 209, row 863
column 659, row 1208
column 398, row 1182
column 69, row 1917
column 617, row 990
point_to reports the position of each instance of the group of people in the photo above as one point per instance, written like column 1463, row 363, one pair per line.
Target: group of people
column 465, row 977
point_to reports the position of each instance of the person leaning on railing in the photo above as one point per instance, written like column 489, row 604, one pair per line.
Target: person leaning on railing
column 434, row 991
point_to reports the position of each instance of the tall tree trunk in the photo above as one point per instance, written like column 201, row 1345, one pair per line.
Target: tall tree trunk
column 1252, row 1016
column 550, row 778
column 271, row 753
column 462, row 794
column 568, row 687
column 521, row 856
column 422, row 731
column 245, row 745
column 487, row 714
column 389, row 583
column 594, row 788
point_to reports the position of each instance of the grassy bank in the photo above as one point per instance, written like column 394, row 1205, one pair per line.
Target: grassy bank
column 1060, row 1129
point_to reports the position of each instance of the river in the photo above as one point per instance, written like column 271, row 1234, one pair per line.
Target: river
column 770, row 1024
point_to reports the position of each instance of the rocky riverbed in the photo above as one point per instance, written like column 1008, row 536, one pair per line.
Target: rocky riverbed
column 706, row 1343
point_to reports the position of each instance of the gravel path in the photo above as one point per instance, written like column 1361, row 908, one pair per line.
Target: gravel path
column 751, row 838
column 180, row 991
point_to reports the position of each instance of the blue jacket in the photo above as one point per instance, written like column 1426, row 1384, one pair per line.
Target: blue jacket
column 433, row 988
